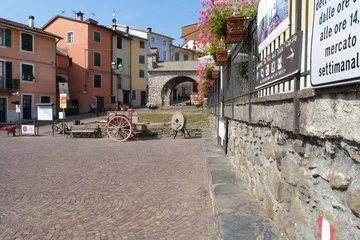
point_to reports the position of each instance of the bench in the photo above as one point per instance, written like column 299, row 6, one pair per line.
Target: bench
column 92, row 131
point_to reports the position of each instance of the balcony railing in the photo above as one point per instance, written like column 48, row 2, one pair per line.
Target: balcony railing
column 10, row 84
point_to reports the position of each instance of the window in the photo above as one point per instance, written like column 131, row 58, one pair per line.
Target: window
column 165, row 54
column 142, row 44
column 45, row 99
column 177, row 56
column 141, row 73
column 119, row 43
column 5, row 37
column 153, row 39
column 70, row 62
column 186, row 57
column 118, row 61
column 27, row 42
column 164, row 42
column 97, row 80
column 2, row 75
column 133, row 94
column 27, row 72
column 97, row 59
column 142, row 59
column 70, row 37
column 97, row 37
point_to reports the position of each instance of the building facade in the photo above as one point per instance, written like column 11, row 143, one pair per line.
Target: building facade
column 90, row 47
column 27, row 69
column 121, row 44
column 153, row 40
column 138, row 71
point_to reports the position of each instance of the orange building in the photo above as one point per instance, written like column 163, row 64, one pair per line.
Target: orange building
column 27, row 69
column 89, row 46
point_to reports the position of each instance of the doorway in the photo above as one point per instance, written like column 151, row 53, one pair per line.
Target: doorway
column 175, row 95
column 100, row 103
column 3, row 109
column 27, row 106
column 126, row 97
column 143, row 98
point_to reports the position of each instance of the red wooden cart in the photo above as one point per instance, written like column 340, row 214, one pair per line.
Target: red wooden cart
column 123, row 125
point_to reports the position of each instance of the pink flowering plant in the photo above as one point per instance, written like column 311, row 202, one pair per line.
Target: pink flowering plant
column 204, row 78
column 213, row 15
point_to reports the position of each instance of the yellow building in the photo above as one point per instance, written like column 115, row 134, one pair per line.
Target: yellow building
column 138, row 71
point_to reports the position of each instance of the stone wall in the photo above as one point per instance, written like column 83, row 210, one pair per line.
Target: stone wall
column 298, row 178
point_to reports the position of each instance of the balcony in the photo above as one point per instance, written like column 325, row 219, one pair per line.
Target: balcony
column 10, row 85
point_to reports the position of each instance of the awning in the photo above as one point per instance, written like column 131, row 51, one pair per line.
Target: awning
column 190, row 32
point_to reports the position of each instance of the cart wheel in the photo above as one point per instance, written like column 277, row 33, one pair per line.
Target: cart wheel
column 119, row 128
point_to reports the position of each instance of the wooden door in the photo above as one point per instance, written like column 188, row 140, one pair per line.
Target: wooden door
column 27, row 106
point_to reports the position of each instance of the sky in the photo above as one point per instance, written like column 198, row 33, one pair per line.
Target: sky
column 163, row 16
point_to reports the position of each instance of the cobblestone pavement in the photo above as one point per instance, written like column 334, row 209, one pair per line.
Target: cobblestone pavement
column 55, row 188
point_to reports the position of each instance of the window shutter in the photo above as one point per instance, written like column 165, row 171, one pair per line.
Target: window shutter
column 8, row 72
column 7, row 37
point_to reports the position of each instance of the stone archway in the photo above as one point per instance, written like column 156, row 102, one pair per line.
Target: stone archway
column 164, row 77
column 170, row 86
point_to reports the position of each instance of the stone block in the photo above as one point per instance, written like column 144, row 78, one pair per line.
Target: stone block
column 353, row 201
column 291, row 170
column 305, row 187
column 279, row 155
column 302, row 212
column 269, row 207
column 275, row 185
column 326, row 172
column 259, row 192
column 298, row 147
column 268, row 149
column 339, row 180
column 353, row 152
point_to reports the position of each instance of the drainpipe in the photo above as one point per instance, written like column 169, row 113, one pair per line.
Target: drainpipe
column 111, row 71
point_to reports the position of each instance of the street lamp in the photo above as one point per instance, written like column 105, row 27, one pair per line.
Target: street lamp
column 117, row 71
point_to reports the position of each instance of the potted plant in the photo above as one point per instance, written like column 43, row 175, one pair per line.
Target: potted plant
column 215, row 74
column 124, row 107
column 151, row 105
column 236, row 24
column 198, row 101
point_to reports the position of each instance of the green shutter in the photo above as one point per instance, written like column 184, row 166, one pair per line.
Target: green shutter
column 8, row 72
column 7, row 37
column 26, row 42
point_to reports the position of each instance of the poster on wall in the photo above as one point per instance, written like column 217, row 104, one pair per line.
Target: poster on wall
column 272, row 20
column 222, row 131
column 335, row 57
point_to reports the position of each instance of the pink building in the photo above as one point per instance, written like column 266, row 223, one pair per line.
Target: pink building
column 27, row 68
column 89, row 47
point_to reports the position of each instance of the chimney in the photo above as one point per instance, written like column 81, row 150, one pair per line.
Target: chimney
column 80, row 15
column 114, row 24
column 149, row 29
column 31, row 21
column 127, row 29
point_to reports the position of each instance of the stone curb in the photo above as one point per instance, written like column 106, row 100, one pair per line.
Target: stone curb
column 237, row 213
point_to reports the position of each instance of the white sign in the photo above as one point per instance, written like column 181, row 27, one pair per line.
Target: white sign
column 64, row 88
column 45, row 113
column 18, row 108
column 28, row 129
column 335, row 57
column 272, row 20
column 222, row 131
column 61, row 115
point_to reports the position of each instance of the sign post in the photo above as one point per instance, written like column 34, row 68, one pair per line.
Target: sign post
column 335, row 55
column 63, row 100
